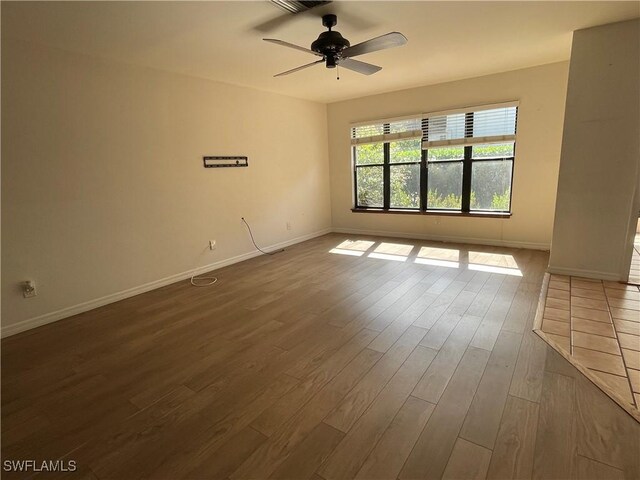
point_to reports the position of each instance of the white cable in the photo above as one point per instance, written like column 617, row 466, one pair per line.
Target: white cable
column 215, row 279
column 194, row 279
column 254, row 242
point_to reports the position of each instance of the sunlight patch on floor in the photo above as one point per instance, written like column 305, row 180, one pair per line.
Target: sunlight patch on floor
column 398, row 252
column 439, row 257
column 502, row 264
column 494, row 259
column 437, row 263
column 394, row 249
column 386, row 256
column 449, row 254
column 355, row 248
column 490, row 269
column 494, row 263
column 353, row 253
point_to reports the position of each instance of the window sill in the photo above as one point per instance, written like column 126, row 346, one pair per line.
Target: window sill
column 433, row 212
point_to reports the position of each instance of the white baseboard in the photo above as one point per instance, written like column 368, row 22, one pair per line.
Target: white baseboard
column 51, row 317
column 576, row 272
column 447, row 238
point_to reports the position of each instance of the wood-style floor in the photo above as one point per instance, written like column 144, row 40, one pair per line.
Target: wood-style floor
column 334, row 359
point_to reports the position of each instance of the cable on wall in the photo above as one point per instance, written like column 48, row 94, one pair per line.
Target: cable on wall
column 209, row 280
column 254, row 242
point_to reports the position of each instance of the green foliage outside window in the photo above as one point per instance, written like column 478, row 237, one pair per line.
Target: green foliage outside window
column 371, row 153
column 370, row 189
column 436, row 200
column 491, row 180
column 445, row 153
column 405, row 186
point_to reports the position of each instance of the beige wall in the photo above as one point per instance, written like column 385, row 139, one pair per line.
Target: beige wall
column 104, row 194
column 103, row 188
column 541, row 92
column 598, row 187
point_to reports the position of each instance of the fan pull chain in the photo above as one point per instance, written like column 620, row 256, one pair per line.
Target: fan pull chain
column 337, row 72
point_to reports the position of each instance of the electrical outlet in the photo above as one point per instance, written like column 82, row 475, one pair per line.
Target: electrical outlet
column 288, row 225
column 212, row 244
column 29, row 289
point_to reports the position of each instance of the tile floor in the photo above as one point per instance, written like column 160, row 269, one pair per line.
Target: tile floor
column 596, row 326
column 634, row 269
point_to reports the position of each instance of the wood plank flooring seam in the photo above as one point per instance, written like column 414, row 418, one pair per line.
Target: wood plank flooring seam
column 385, row 384
column 122, row 361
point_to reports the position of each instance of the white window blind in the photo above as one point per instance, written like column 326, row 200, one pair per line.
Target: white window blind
column 386, row 130
column 471, row 126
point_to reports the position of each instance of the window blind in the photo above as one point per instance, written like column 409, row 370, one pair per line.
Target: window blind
column 472, row 126
column 386, row 130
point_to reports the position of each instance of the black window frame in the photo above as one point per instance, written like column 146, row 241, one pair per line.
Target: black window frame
column 467, row 172
column 385, row 177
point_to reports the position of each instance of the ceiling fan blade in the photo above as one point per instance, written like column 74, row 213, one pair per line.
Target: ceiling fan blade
column 390, row 40
column 293, row 70
column 297, row 6
column 291, row 45
column 358, row 66
column 294, row 8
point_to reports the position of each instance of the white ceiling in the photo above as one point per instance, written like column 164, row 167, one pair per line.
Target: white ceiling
column 220, row 41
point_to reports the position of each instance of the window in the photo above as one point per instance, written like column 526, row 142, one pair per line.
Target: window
column 387, row 161
column 457, row 161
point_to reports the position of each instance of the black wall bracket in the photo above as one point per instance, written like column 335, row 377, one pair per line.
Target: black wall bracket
column 218, row 162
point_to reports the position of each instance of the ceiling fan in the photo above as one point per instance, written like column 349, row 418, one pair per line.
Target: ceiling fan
column 336, row 50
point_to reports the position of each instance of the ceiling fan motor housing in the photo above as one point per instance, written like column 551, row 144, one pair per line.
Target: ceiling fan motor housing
column 330, row 43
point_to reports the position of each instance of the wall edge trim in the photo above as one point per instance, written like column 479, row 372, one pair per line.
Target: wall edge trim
column 40, row 320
